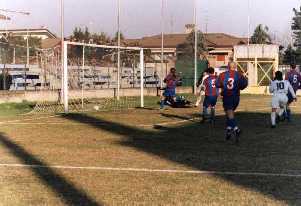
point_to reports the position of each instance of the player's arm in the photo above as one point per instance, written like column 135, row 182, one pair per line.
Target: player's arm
column 243, row 82
column 166, row 79
column 271, row 89
column 203, row 84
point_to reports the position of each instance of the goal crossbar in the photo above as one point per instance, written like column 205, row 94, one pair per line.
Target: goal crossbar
column 102, row 46
column 65, row 89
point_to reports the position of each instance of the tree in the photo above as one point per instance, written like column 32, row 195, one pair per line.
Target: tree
column 186, row 50
column 80, row 35
column 289, row 55
column 115, row 39
column 101, row 38
column 296, row 27
column 261, row 35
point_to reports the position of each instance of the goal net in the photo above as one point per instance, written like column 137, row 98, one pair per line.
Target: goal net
column 94, row 78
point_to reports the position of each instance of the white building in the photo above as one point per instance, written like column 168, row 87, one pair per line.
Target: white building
column 39, row 33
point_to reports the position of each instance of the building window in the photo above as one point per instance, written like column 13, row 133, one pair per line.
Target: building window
column 221, row 58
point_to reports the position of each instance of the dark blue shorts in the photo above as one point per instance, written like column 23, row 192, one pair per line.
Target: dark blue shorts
column 169, row 92
column 231, row 102
column 290, row 98
column 210, row 101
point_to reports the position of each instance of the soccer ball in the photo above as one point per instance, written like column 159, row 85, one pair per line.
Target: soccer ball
column 96, row 107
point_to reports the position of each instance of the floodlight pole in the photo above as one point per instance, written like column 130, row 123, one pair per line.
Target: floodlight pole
column 65, row 78
column 83, row 76
column 118, row 53
column 162, row 42
column 142, row 78
column 64, row 63
column 195, row 46
column 249, row 20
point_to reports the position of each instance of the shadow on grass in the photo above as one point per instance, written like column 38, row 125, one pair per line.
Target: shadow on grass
column 204, row 148
column 62, row 187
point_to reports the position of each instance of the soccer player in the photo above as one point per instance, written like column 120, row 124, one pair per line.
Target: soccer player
column 280, row 88
column 231, row 82
column 200, row 85
column 294, row 79
column 211, row 94
column 170, row 91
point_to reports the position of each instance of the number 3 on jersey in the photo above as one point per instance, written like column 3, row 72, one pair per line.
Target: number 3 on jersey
column 230, row 84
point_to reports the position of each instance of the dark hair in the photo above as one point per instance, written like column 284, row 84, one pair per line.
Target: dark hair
column 172, row 69
column 293, row 66
column 210, row 70
column 279, row 76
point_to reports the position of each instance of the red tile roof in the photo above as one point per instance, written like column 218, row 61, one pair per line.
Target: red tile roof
column 173, row 40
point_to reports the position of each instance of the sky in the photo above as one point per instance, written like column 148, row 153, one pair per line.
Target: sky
column 142, row 17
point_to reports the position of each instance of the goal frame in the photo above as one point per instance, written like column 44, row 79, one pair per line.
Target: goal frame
column 65, row 89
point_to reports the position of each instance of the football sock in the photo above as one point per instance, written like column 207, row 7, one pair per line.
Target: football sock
column 162, row 104
column 231, row 123
column 212, row 113
column 204, row 112
column 273, row 118
column 288, row 114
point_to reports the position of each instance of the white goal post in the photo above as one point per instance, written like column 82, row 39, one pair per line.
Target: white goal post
column 65, row 72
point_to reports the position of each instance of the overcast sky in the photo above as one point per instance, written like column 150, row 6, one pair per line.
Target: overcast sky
column 142, row 17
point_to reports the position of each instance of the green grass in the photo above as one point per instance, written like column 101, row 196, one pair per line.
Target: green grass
column 12, row 109
column 128, row 139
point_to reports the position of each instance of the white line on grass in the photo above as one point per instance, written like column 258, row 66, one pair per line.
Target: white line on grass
column 146, row 170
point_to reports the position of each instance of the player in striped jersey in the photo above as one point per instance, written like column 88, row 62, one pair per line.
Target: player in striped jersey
column 231, row 82
column 211, row 94
column 294, row 79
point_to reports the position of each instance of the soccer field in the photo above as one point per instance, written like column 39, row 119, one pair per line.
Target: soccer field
column 150, row 157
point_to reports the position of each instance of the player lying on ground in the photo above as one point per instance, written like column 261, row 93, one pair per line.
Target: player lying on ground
column 200, row 85
column 294, row 79
column 211, row 94
column 231, row 82
column 280, row 88
column 171, row 81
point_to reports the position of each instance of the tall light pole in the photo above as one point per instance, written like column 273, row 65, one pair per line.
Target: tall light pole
column 195, row 46
column 118, row 51
column 64, row 63
column 162, row 42
column 249, row 21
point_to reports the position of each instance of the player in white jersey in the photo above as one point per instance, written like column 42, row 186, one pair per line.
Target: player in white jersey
column 280, row 88
column 200, row 85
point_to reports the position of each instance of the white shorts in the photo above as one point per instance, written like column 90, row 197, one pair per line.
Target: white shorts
column 279, row 101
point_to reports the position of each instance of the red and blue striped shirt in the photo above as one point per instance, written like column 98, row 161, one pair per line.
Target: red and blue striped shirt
column 231, row 82
column 210, row 86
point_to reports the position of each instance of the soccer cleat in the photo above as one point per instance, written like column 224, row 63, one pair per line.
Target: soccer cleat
column 229, row 133
column 288, row 116
column 237, row 133
column 273, row 126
